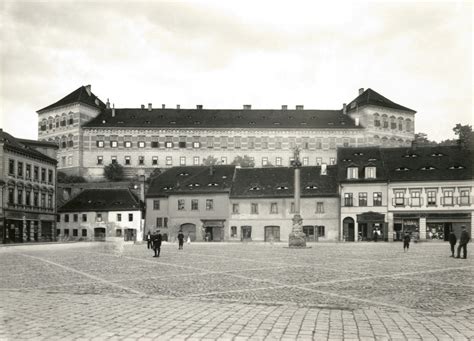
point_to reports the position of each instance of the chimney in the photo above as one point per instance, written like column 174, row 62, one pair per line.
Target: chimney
column 199, row 106
column 149, row 106
column 357, row 121
column 299, row 107
column 324, row 170
column 163, row 106
column 178, row 106
column 113, row 110
column 142, row 106
column 247, row 106
column 344, row 108
column 107, row 104
column 284, row 107
column 361, row 90
column 88, row 89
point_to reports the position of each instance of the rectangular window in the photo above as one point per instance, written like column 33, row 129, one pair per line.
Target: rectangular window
column 36, row 173
column 348, row 199
column 19, row 196
column 180, row 204
column 74, row 233
column 43, row 175
column 273, row 208
column 332, row 161
column 196, row 145
column 196, row 160
column 223, row 142
column 233, row 231
column 20, row 169
column 182, row 144
column 237, row 142
column 264, row 161
column 194, row 204
column 169, row 144
column 182, row 160
column 50, row 201
column 363, row 199
column 319, row 161
column 128, row 160
column 75, row 217
column 130, row 217
column 155, row 144
column 165, row 222
column 113, row 159
column 66, row 218
column 352, row 172
column 28, row 172
column 58, row 232
column 118, row 233
column 100, row 160
column 292, row 208
column 254, row 208
column 159, row 222
column 235, row 208
column 141, row 144
column 119, row 217
column 66, row 232
column 399, row 198
column 464, row 197
column 50, row 176
column 169, row 160
column 84, row 232
column 415, row 199
column 370, row 172
column 321, row 231
column 278, row 161
column 385, row 124
column 448, row 197
column 99, row 217
column 210, row 142
column 156, row 205
column 113, row 144
column 127, row 144
column 35, row 199
column 141, row 160
column 100, row 144
column 305, row 161
column 84, row 217
column 377, row 199
column 28, row 198
column 320, row 207
column 69, row 160
column 209, row 204
column 43, row 200
column 154, row 160
column 11, row 195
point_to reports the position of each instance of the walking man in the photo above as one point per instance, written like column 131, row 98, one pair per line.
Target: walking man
column 148, row 240
column 452, row 242
column 465, row 238
column 406, row 241
column 157, row 238
column 180, row 240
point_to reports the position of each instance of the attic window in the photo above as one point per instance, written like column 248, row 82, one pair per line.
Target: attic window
column 194, row 185
column 251, row 122
column 276, row 123
column 172, row 122
column 183, row 174
column 358, row 154
column 213, row 184
column 255, row 188
column 402, row 169
column 456, row 167
column 120, row 122
column 224, row 177
column 148, row 122
column 167, row 188
column 303, row 123
column 311, row 187
column 347, row 160
column 282, row 187
column 410, row 155
column 118, row 203
column 372, row 159
column 197, row 122
column 437, row 154
column 427, row 168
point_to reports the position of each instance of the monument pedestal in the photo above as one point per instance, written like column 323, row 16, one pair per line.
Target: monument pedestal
column 297, row 238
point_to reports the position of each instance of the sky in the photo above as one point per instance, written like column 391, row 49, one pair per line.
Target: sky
column 223, row 54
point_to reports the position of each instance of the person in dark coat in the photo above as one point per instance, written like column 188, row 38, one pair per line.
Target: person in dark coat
column 180, row 240
column 406, row 241
column 452, row 242
column 157, row 239
column 465, row 238
column 148, row 240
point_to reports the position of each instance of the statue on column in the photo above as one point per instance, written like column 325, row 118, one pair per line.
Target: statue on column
column 297, row 238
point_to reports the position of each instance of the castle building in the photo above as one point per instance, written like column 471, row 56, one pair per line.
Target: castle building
column 91, row 134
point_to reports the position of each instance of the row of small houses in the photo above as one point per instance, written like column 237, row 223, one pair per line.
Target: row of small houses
column 384, row 191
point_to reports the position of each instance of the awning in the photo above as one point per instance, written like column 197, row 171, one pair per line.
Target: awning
column 370, row 217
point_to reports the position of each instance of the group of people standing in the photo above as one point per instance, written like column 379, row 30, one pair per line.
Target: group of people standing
column 463, row 240
column 154, row 241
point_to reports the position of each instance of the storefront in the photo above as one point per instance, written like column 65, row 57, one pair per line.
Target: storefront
column 371, row 224
column 213, row 230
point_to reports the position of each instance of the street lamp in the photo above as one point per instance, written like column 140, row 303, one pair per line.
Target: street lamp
column 297, row 238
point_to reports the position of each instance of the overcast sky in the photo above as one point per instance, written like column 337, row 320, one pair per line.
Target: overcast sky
column 224, row 54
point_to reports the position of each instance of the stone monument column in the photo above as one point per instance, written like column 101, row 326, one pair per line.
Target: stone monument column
column 297, row 238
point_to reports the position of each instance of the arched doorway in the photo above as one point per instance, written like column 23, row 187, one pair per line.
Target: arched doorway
column 189, row 229
column 348, row 229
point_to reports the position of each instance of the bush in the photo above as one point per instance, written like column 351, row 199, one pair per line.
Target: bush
column 67, row 179
column 113, row 172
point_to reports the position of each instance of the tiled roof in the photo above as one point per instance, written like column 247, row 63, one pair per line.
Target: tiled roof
column 278, row 182
column 370, row 96
column 433, row 163
column 192, row 179
column 20, row 146
column 102, row 200
column 223, row 118
column 77, row 96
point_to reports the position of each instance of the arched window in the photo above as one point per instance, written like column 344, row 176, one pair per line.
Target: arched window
column 63, row 141
column 408, row 125
column 43, row 125
column 57, row 119
column 50, row 122
column 70, row 141
column 70, row 120
column 400, row 123
column 393, row 123
column 384, row 121
column 376, row 120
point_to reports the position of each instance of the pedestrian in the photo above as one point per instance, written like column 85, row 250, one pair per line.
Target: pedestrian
column 156, row 241
column 465, row 238
column 406, row 241
column 189, row 239
column 180, row 240
column 376, row 235
column 148, row 240
column 452, row 242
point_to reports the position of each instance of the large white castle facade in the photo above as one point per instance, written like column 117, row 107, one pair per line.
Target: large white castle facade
column 91, row 134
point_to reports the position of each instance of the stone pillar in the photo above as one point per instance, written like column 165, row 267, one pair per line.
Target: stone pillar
column 390, row 226
column 356, row 231
column 422, row 229
column 297, row 238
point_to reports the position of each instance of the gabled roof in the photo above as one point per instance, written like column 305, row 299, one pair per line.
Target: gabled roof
column 372, row 97
column 192, row 180
column 23, row 147
column 99, row 200
column 223, row 118
column 79, row 95
column 278, row 182
column 431, row 163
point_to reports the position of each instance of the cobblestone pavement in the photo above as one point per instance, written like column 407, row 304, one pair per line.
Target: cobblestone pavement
column 369, row 291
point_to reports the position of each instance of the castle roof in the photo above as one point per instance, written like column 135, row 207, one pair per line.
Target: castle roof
column 371, row 97
column 80, row 95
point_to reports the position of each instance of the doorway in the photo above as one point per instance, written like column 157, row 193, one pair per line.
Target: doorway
column 99, row 233
column 246, row 233
column 189, row 230
column 348, row 229
column 130, row 235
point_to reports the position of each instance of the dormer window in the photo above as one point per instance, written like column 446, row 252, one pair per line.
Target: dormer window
column 183, row 174
column 347, row 160
column 213, row 184
column 313, row 187
column 427, row 168
column 194, row 185
column 167, row 188
column 276, row 123
column 410, row 155
column 370, row 172
column 254, row 188
column 456, row 167
column 280, row 188
column 358, row 154
column 352, row 172
column 402, row 169
column 437, row 154
column 372, row 160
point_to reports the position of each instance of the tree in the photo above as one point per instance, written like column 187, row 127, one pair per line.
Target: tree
column 113, row 172
column 244, row 161
column 465, row 136
column 210, row 161
column 67, row 179
column 421, row 139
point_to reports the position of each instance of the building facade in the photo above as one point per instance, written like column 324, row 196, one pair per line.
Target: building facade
column 28, row 184
column 99, row 214
column 91, row 134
